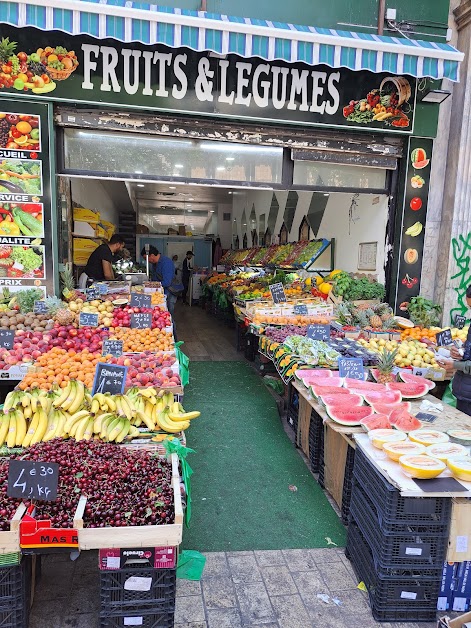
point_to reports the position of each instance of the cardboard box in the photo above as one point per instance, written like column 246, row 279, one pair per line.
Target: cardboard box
column 459, row 539
column 84, row 228
column 462, row 596
column 155, row 557
column 447, row 586
column 464, row 621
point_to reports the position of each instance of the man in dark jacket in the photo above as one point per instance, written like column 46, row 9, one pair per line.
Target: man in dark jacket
column 187, row 269
column 458, row 366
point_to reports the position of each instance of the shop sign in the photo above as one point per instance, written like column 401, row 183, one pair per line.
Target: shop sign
column 108, row 72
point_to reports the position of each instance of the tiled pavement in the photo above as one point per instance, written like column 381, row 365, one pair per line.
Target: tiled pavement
column 264, row 589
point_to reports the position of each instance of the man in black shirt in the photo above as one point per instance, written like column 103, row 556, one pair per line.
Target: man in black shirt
column 99, row 263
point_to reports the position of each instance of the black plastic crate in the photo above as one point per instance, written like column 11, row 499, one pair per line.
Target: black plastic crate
column 154, row 619
column 114, row 596
column 292, row 418
column 390, row 507
column 293, row 398
column 14, row 617
column 251, row 346
column 398, row 596
column 316, row 428
column 407, row 549
column 347, row 484
column 240, row 337
column 321, row 476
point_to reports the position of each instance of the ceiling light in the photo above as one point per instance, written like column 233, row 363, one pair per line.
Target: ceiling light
column 326, row 194
column 220, row 168
column 189, row 211
column 137, row 171
column 229, row 192
column 230, row 158
column 436, row 95
column 178, row 166
column 211, row 211
column 244, row 224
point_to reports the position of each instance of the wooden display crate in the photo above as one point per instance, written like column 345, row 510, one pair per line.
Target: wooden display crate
column 10, row 540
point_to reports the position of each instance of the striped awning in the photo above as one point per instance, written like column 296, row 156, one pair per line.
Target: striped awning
column 129, row 21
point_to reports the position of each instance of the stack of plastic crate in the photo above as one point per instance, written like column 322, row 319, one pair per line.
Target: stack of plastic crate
column 15, row 590
column 397, row 545
column 293, row 407
column 316, row 430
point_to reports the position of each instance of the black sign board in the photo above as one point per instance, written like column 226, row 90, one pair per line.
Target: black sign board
column 301, row 310
column 351, row 367
column 425, row 416
column 140, row 300
column 109, row 378
column 460, row 321
column 278, row 293
column 444, row 338
column 7, row 338
column 88, row 319
column 40, row 307
column 112, row 347
column 33, row 480
column 93, row 293
column 141, row 321
column 318, row 332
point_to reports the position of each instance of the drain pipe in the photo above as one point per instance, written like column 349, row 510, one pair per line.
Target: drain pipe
column 381, row 14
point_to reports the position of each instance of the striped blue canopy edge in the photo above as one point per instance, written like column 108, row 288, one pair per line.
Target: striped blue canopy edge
column 150, row 24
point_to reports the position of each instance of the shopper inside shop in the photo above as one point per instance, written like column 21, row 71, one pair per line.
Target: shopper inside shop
column 99, row 266
column 187, row 269
column 162, row 270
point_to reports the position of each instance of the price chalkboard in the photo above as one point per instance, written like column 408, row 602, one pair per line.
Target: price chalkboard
column 420, row 371
column 141, row 321
column 278, row 293
column 93, row 293
column 109, row 378
column 301, row 310
column 102, row 288
column 40, row 307
column 112, row 347
column 140, row 300
column 444, row 338
column 318, row 332
column 32, row 480
column 351, row 367
column 460, row 321
column 88, row 319
column 7, row 338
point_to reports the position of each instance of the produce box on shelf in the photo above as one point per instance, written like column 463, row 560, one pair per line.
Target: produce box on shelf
column 10, row 539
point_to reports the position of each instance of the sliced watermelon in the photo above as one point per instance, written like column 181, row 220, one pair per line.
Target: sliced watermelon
column 325, row 381
column 387, row 408
column 386, row 396
column 409, row 391
column 317, row 390
column 359, row 385
column 349, row 416
column 346, row 401
column 410, row 378
column 404, row 421
column 310, row 373
column 376, row 422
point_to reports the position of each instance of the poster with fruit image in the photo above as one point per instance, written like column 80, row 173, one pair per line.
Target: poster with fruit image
column 19, row 131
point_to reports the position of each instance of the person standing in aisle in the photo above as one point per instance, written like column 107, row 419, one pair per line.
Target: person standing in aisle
column 162, row 270
column 99, row 266
column 187, row 269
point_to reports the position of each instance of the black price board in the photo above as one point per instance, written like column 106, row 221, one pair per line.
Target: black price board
column 88, row 319
column 141, row 321
column 301, row 310
column 278, row 293
column 460, row 321
column 93, row 293
column 444, row 338
column 109, row 378
column 351, row 367
column 40, row 307
column 33, row 480
column 112, row 347
column 7, row 338
column 140, row 300
column 318, row 332
column 426, row 416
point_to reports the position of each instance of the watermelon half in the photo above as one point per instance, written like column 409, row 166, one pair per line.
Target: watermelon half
column 325, row 381
column 376, row 422
column 361, row 385
column 387, row 408
column 303, row 374
column 346, row 401
column 409, row 391
column 386, row 396
column 404, row 421
column 317, row 390
column 349, row 416
column 410, row 378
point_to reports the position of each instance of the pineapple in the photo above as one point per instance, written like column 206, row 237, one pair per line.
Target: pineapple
column 373, row 319
column 385, row 365
column 53, row 304
column 7, row 49
column 64, row 317
column 68, row 283
column 362, row 319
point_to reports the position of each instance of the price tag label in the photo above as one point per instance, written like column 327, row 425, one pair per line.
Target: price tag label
column 88, row 319
column 93, row 293
column 102, row 288
column 460, row 321
column 352, row 367
column 40, row 307
column 318, row 332
column 7, row 338
column 112, row 347
column 141, row 300
column 444, row 338
column 33, row 480
column 301, row 310
column 141, row 321
column 278, row 293
column 420, row 371
column 109, row 378
column 426, row 416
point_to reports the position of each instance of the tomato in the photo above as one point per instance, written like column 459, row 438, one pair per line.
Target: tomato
column 416, row 203
column 12, row 145
column 14, row 272
column 15, row 133
column 33, row 155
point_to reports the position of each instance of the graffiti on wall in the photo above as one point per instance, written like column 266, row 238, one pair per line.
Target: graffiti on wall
column 461, row 247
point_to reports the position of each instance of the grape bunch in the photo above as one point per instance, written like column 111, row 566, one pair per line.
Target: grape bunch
column 4, row 131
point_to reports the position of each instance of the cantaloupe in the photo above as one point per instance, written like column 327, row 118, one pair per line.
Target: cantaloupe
column 443, row 451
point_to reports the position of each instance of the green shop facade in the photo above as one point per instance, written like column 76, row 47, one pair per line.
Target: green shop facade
column 128, row 86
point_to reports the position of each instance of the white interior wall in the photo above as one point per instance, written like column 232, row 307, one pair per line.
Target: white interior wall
column 224, row 227
column 91, row 194
column 368, row 225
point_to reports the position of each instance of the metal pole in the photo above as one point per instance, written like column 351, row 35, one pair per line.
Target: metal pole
column 381, row 15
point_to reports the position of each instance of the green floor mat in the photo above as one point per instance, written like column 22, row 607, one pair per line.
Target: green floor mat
column 244, row 466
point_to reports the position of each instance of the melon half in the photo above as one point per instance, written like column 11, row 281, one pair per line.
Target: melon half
column 379, row 437
column 428, row 437
column 421, row 467
column 403, row 448
column 443, row 451
column 460, row 467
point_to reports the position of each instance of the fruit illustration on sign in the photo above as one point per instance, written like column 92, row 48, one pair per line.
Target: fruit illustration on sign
column 416, row 204
column 417, row 181
column 419, row 159
column 415, row 229
column 411, row 256
column 409, row 282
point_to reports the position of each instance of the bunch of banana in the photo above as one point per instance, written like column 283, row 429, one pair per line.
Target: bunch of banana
column 173, row 418
column 415, row 229
column 71, row 398
column 29, row 402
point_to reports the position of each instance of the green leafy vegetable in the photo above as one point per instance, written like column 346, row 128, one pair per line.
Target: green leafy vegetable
column 423, row 312
column 27, row 257
column 26, row 299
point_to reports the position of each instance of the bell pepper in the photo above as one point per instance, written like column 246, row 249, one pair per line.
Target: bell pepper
column 9, row 228
column 5, row 251
column 14, row 272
